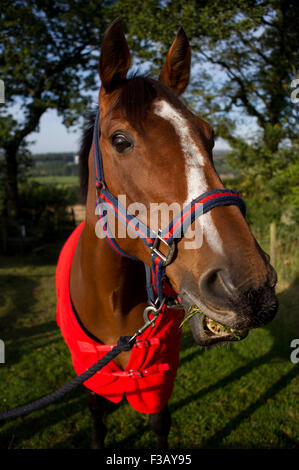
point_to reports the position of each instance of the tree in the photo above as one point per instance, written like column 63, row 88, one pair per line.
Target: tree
column 245, row 53
column 245, row 56
column 48, row 56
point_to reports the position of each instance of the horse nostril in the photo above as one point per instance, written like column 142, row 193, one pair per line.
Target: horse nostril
column 226, row 280
column 217, row 287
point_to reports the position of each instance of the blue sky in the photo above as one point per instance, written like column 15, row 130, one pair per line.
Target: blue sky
column 53, row 136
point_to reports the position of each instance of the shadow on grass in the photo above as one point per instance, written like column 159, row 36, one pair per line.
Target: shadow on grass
column 46, row 254
column 220, row 435
column 282, row 328
column 187, row 342
column 18, row 291
column 27, row 427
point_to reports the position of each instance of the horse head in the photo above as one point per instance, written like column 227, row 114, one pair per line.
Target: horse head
column 156, row 151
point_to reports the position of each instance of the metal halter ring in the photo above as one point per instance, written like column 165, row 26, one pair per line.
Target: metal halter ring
column 154, row 310
column 154, row 249
column 147, row 321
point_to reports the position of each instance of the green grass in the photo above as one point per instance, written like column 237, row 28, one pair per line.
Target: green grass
column 241, row 396
column 60, row 180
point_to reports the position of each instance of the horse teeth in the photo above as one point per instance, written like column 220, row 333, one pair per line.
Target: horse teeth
column 217, row 328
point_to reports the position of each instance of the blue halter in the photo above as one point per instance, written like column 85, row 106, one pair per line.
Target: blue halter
column 167, row 236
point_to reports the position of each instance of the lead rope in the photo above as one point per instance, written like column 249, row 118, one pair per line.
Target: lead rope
column 125, row 343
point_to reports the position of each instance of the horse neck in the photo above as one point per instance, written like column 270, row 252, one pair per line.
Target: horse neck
column 107, row 289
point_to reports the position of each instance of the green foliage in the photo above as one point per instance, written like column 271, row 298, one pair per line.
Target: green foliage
column 51, row 168
column 45, row 46
column 245, row 55
column 44, row 208
column 48, row 58
column 269, row 181
column 54, row 164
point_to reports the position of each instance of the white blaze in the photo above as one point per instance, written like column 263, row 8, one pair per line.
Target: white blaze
column 194, row 165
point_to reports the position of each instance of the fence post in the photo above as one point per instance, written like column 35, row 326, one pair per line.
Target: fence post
column 273, row 243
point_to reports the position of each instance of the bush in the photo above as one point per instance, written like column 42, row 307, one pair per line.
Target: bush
column 44, row 208
column 269, row 182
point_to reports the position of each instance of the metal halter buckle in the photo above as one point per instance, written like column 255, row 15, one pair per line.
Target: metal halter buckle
column 154, row 249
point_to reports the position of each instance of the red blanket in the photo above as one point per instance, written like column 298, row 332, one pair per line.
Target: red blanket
column 148, row 380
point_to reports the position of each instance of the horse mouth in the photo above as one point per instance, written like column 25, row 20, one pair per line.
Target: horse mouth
column 207, row 331
column 215, row 332
column 232, row 321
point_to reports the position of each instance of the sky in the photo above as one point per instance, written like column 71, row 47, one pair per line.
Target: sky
column 53, row 136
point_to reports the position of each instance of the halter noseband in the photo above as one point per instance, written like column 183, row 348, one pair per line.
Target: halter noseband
column 168, row 236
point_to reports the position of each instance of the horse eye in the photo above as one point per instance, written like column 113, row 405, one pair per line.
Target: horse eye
column 120, row 142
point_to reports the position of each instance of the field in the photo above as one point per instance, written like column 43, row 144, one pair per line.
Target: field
column 244, row 395
column 60, row 180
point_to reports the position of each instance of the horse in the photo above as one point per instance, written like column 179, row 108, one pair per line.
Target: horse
column 145, row 144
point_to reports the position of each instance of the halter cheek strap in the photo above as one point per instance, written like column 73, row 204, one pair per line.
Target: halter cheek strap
column 174, row 232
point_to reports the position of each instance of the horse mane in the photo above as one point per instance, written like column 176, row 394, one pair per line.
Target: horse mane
column 135, row 100
column 85, row 144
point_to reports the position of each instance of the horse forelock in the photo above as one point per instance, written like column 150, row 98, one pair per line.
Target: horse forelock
column 137, row 96
column 135, row 100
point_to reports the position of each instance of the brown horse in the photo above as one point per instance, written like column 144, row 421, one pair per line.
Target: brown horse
column 155, row 150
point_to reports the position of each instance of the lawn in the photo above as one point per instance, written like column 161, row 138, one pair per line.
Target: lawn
column 60, row 180
column 244, row 395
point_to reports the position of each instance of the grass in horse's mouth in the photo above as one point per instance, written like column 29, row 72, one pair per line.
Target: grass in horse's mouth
column 211, row 326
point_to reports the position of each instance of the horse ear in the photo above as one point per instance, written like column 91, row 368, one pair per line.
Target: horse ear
column 176, row 70
column 115, row 57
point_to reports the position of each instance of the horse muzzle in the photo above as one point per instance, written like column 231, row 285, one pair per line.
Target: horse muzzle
column 224, row 312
